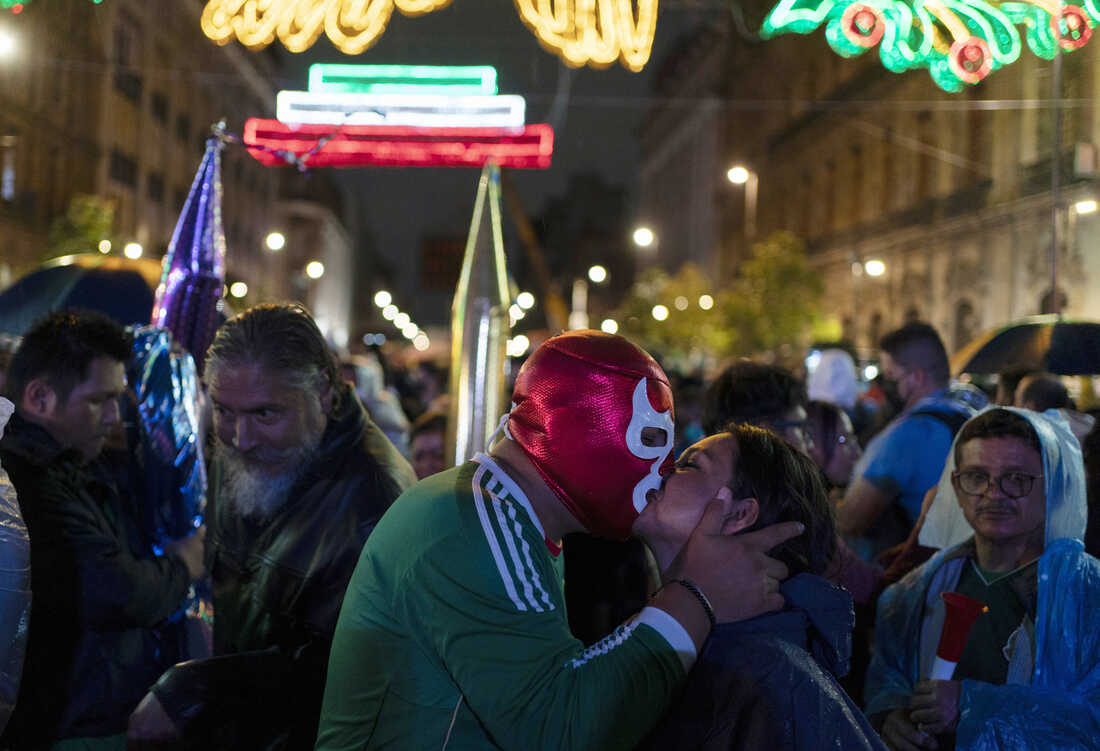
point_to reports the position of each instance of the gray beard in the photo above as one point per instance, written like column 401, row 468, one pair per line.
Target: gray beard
column 253, row 493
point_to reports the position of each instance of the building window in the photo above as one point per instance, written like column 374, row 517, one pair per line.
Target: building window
column 123, row 169
column 155, row 187
column 127, row 80
column 158, row 105
column 7, row 176
column 183, row 127
column 966, row 324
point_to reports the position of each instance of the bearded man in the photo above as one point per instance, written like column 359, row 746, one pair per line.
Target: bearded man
column 300, row 477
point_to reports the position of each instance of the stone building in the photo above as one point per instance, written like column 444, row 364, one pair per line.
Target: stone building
column 950, row 192
column 116, row 99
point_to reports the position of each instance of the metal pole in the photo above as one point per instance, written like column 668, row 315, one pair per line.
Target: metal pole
column 1056, row 172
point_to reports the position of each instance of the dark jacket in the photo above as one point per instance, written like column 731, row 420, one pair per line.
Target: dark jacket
column 770, row 682
column 278, row 586
column 97, row 638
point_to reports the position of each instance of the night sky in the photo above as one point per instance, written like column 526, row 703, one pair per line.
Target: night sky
column 596, row 123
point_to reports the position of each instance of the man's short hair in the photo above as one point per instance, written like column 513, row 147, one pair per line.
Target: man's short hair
column 60, row 347
column 429, row 422
column 997, row 423
column 1046, row 391
column 1009, row 378
column 916, row 345
column 280, row 339
column 788, row 487
column 751, row 392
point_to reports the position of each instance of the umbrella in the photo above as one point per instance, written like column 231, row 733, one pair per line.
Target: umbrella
column 120, row 288
column 1049, row 343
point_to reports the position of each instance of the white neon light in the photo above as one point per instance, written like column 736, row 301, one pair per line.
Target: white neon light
column 416, row 110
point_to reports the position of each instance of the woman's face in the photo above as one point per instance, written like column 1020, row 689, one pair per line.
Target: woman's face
column 846, row 453
column 701, row 472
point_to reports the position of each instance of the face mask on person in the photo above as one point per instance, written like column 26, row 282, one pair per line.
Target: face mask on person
column 593, row 413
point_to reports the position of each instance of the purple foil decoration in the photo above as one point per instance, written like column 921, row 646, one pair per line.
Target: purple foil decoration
column 194, row 267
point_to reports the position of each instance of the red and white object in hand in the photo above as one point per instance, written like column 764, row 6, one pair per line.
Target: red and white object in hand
column 962, row 611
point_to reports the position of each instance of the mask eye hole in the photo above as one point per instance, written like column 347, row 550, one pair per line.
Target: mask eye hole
column 654, row 437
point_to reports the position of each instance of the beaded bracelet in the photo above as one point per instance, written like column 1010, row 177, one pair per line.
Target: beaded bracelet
column 692, row 587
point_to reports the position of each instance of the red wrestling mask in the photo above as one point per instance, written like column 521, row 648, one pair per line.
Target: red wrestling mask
column 581, row 406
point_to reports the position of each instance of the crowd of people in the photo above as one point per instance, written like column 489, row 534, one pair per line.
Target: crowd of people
column 636, row 561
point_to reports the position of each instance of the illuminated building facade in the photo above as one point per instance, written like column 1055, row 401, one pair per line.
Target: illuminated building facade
column 951, row 192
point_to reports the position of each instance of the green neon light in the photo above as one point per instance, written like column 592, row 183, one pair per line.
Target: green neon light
column 468, row 80
column 959, row 42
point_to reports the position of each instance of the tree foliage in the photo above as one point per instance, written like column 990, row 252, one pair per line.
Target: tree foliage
column 88, row 220
column 773, row 303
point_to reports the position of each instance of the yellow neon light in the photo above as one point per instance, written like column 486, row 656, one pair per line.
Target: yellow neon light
column 581, row 32
column 594, row 32
column 351, row 25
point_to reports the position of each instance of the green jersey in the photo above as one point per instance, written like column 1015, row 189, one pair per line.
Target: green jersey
column 453, row 634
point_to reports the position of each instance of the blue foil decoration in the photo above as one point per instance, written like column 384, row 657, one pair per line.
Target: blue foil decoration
column 194, row 266
column 166, row 383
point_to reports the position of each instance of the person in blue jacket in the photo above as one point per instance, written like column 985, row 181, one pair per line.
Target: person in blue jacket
column 1009, row 516
column 769, row 682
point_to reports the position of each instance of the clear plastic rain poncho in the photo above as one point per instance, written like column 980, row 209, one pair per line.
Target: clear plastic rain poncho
column 15, row 586
column 1054, row 705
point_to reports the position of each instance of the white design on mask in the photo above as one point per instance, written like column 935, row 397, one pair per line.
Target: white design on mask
column 645, row 416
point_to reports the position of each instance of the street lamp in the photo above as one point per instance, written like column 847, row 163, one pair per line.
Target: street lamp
column 132, row 251
column 315, row 269
column 238, row 289
column 1085, row 207
column 597, row 274
column 706, row 302
column 525, row 300
column 8, row 44
column 742, row 175
column 276, row 241
column 644, row 237
column 382, row 298
column 610, row 326
column 104, row 246
column 660, row 312
column 874, row 267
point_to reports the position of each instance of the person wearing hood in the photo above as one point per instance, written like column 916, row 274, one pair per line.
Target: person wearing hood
column 1008, row 517
column 769, row 682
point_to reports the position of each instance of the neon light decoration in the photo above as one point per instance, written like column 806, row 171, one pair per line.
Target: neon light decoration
column 390, row 146
column 351, row 25
column 401, row 109
column 448, row 80
column 959, row 41
column 595, row 32
column 598, row 33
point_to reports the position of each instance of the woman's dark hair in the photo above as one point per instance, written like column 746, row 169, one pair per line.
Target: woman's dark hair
column 823, row 422
column 788, row 487
column 997, row 423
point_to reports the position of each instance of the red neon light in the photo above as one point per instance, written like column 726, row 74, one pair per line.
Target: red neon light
column 529, row 147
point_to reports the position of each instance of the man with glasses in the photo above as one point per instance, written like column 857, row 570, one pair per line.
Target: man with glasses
column 1009, row 516
column 903, row 461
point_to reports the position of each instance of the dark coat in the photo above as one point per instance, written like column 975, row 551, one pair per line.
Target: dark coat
column 278, row 586
column 99, row 597
column 769, row 683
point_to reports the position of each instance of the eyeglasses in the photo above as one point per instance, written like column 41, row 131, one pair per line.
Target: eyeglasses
column 1012, row 484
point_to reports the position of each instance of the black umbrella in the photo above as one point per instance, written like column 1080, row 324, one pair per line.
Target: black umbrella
column 1049, row 343
column 116, row 287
